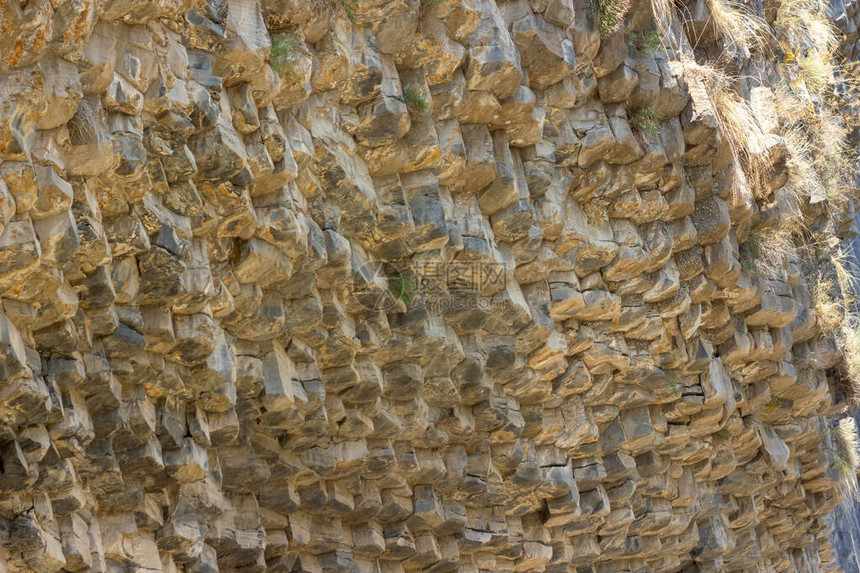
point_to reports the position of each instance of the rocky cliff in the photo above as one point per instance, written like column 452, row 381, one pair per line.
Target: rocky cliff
column 438, row 285
column 846, row 532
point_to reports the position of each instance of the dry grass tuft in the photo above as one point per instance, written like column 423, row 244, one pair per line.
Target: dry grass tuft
column 817, row 72
column 739, row 27
column 84, row 125
column 805, row 24
column 834, row 161
column 847, row 91
column 736, row 119
column 845, row 456
column 832, row 289
column 714, row 77
column 829, row 308
column 744, row 134
column 662, row 11
column 847, row 275
column 803, row 181
column 851, row 357
column 821, row 161
column 811, row 39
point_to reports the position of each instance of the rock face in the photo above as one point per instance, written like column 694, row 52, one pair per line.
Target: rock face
column 390, row 286
column 846, row 532
column 846, row 516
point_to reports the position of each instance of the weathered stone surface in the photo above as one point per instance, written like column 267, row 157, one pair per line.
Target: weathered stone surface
column 394, row 286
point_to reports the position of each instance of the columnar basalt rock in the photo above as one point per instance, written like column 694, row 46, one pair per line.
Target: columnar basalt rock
column 390, row 286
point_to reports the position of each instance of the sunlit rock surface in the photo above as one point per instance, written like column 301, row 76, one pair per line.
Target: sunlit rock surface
column 390, row 286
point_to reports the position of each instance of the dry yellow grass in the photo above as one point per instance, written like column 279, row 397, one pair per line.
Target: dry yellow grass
column 821, row 161
column 821, row 165
column 833, row 158
column 805, row 23
column 812, row 39
column 817, row 71
column 738, row 27
column 832, row 288
column 830, row 156
column 851, row 359
column 829, row 308
column 736, row 119
column 848, row 90
column 662, row 10
column 803, row 181
column 847, row 273
column 744, row 133
column 712, row 76
column 845, row 456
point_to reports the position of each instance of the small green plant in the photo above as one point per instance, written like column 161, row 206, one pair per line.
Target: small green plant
column 348, row 7
column 648, row 44
column 285, row 50
column 653, row 42
column 414, row 100
column 415, row 103
column 401, row 287
column 646, row 120
column 839, row 464
column 771, row 409
column 609, row 15
column 430, row 4
column 674, row 381
column 723, row 435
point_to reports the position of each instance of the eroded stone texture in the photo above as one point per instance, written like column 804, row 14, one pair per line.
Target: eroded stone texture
column 388, row 286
